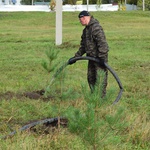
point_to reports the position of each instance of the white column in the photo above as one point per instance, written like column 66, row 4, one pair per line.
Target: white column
column 143, row 5
column 58, row 22
column 87, row 2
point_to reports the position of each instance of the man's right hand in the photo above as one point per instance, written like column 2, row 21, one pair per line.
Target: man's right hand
column 101, row 61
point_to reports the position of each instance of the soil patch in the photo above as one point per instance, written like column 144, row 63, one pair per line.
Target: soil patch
column 45, row 128
column 31, row 95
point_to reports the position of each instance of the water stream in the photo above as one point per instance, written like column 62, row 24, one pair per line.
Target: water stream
column 58, row 71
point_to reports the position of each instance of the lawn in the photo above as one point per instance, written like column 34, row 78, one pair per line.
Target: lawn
column 24, row 39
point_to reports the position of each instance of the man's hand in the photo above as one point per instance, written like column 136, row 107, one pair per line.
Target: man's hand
column 101, row 62
column 71, row 61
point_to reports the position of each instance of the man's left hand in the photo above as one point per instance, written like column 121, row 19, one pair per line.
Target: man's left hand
column 101, row 62
column 71, row 61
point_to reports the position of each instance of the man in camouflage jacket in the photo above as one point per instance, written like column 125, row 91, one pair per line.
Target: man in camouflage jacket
column 94, row 44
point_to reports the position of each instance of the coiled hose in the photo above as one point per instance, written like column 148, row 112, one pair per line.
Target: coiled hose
column 109, row 68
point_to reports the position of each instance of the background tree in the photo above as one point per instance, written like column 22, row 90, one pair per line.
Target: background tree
column 147, row 4
column 26, row 2
column 72, row 2
column 29, row 2
column 132, row 2
column 90, row 2
column 105, row 1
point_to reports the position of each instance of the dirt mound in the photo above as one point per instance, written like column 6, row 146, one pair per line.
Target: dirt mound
column 34, row 94
column 31, row 95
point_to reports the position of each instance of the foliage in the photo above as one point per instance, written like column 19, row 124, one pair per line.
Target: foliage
column 51, row 54
column 50, row 66
column 89, row 121
column 99, row 2
column 52, row 5
column 26, row 2
column 105, row 1
column 147, row 4
column 29, row 2
column 72, row 2
column 132, row 2
column 90, row 2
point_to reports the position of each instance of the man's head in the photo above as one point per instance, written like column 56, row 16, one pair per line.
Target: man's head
column 84, row 17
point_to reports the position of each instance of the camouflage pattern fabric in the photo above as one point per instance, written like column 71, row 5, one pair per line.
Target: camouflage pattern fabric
column 94, row 44
column 93, row 41
column 92, row 76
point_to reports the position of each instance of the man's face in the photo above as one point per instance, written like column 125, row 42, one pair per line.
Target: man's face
column 83, row 21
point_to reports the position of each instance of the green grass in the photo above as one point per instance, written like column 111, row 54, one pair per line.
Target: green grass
column 24, row 38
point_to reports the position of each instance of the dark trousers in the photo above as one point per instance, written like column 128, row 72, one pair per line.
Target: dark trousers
column 93, row 68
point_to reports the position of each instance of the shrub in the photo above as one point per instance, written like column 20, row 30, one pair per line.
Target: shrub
column 132, row 2
column 72, row 2
column 52, row 5
column 147, row 4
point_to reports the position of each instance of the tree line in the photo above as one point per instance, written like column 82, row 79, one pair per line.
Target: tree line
column 139, row 3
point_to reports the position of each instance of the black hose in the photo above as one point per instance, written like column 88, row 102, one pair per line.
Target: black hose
column 118, row 81
column 28, row 126
column 109, row 68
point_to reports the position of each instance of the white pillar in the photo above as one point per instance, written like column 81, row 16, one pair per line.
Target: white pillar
column 58, row 22
column 143, row 5
column 87, row 2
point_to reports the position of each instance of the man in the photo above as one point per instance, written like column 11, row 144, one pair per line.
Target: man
column 94, row 44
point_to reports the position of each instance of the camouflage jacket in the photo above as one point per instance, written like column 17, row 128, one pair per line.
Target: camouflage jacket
column 93, row 41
